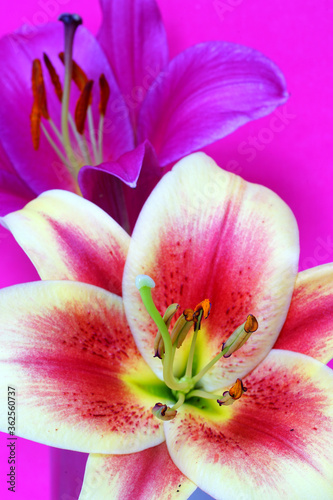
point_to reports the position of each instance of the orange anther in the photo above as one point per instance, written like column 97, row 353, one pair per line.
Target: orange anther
column 237, row 389
column 189, row 314
column 35, row 119
column 78, row 75
column 54, row 77
column 251, row 324
column 82, row 106
column 205, row 306
column 163, row 412
column 201, row 311
column 38, row 88
column 105, row 94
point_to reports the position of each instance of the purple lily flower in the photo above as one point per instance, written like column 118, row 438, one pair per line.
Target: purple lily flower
column 129, row 112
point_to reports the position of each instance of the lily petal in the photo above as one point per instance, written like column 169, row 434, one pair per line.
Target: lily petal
column 118, row 132
column 69, row 353
column 308, row 327
column 67, row 237
column 206, row 233
column 17, row 51
column 134, row 39
column 275, row 441
column 101, row 184
column 148, row 474
column 150, row 174
column 204, row 94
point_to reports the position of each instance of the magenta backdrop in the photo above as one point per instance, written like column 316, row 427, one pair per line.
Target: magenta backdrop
column 289, row 151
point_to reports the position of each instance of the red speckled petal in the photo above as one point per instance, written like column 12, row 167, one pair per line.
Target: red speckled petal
column 309, row 324
column 67, row 350
column 67, row 237
column 274, row 443
column 206, row 233
column 150, row 474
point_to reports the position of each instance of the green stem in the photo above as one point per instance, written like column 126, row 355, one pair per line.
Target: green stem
column 100, row 138
column 57, row 150
column 92, row 134
column 79, row 140
column 202, row 394
column 86, row 150
column 180, row 401
column 203, row 372
column 188, row 373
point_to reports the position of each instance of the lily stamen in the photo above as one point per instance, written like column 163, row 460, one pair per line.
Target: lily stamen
column 234, row 393
column 54, row 76
column 165, row 346
column 180, row 331
column 234, row 342
column 105, row 95
column 167, row 317
column 163, row 412
column 83, row 151
column 82, row 107
column 199, row 314
column 240, row 336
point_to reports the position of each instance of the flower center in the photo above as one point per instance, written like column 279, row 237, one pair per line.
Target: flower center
column 75, row 143
column 166, row 343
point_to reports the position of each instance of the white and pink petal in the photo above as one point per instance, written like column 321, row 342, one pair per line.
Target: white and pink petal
column 309, row 324
column 206, row 233
column 67, row 350
column 275, row 442
column 147, row 474
column 67, row 237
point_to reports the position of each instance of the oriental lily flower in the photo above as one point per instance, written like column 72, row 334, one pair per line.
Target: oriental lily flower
column 114, row 108
column 209, row 405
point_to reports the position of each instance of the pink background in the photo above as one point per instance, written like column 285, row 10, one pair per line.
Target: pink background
column 291, row 153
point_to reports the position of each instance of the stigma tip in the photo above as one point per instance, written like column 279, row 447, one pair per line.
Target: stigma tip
column 70, row 19
column 143, row 280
